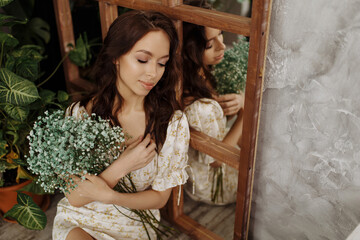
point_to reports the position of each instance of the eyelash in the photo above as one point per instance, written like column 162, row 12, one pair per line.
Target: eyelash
column 141, row 61
column 208, row 47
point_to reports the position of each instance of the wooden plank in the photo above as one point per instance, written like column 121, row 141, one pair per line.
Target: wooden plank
column 253, row 94
column 66, row 37
column 108, row 13
column 211, row 18
column 194, row 229
column 211, row 146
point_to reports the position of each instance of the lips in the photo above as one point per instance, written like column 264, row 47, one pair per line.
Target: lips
column 147, row 85
column 220, row 57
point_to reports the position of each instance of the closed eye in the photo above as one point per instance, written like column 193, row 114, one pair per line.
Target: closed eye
column 142, row 61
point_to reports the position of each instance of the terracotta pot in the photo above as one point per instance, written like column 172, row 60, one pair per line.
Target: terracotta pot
column 8, row 196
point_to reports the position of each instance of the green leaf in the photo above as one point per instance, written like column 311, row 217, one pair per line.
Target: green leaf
column 3, row 147
column 9, row 21
column 20, row 162
column 78, row 55
column 17, row 112
column 62, row 96
column 33, row 187
column 8, row 40
column 5, row 2
column 36, row 31
column 40, row 28
column 25, row 61
column 47, row 96
column 16, row 90
column 15, row 136
column 27, row 213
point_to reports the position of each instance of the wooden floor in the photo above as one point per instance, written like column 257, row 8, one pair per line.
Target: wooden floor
column 220, row 219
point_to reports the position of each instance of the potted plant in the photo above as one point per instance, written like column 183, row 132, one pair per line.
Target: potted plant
column 22, row 100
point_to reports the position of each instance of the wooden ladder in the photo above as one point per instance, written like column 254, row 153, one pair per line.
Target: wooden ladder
column 256, row 28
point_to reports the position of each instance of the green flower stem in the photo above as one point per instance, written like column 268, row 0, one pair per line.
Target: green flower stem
column 57, row 67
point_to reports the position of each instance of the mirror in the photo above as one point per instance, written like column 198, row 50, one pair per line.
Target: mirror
column 213, row 202
column 238, row 7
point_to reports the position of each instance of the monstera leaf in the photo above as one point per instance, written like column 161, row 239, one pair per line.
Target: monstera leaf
column 16, row 90
column 27, row 213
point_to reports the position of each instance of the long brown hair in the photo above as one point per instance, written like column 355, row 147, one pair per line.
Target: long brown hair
column 160, row 103
column 195, row 84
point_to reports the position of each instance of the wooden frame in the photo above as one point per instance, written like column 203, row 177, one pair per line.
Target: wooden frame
column 256, row 28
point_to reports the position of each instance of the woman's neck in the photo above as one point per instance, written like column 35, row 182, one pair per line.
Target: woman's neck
column 131, row 102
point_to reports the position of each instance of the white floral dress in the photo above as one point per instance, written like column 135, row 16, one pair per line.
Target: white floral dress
column 206, row 115
column 103, row 221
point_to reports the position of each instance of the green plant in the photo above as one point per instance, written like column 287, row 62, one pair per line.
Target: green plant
column 22, row 100
column 231, row 72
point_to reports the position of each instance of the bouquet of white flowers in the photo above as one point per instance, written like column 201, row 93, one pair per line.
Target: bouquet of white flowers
column 230, row 73
column 61, row 147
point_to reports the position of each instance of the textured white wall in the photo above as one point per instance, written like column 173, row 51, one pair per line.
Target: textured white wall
column 307, row 178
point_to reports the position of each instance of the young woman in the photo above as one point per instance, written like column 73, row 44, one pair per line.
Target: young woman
column 206, row 111
column 136, row 76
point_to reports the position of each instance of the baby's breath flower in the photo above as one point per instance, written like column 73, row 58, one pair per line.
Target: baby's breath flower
column 230, row 73
column 61, row 147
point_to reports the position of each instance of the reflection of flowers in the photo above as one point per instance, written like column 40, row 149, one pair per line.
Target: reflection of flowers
column 231, row 72
column 64, row 146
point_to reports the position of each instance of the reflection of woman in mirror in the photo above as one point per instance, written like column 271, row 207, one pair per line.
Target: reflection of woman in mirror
column 136, row 76
column 207, row 112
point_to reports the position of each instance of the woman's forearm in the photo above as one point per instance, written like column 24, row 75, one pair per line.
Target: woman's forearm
column 110, row 175
column 235, row 132
column 148, row 199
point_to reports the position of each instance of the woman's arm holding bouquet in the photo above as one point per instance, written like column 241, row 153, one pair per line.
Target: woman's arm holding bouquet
column 137, row 155
column 96, row 189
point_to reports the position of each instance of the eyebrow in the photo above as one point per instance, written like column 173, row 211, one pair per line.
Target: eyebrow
column 150, row 54
column 213, row 37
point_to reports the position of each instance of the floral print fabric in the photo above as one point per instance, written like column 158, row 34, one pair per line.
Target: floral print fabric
column 206, row 115
column 103, row 221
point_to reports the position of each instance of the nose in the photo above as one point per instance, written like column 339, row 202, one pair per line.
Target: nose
column 151, row 70
column 220, row 44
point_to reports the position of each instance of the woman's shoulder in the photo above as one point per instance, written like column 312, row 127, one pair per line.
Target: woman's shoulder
column 177, row 118
column 203, row 106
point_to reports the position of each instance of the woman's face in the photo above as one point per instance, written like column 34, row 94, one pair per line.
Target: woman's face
column 141, row 68
column 214, row 51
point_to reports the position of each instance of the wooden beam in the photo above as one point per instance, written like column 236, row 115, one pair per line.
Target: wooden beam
column 194, row 229
column 205, row 17
column 261, row 10
column 211, row 146
column 66, row 37
column 108, row 13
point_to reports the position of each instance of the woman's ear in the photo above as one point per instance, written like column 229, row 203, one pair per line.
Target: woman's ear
column 116, row 61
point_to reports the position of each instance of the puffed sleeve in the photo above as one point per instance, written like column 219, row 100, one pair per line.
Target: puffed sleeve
column 172, row 159
column 206, row 115
column 75, row 110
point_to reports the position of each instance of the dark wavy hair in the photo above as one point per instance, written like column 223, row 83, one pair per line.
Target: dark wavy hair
column 160, row 103
column 195, row 85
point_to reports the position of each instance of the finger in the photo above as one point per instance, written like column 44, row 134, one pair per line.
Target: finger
column 134, row 142
column 225, row 105
column 225, row 98
column 231, row 111
column 151, row 147
column 146, row 140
